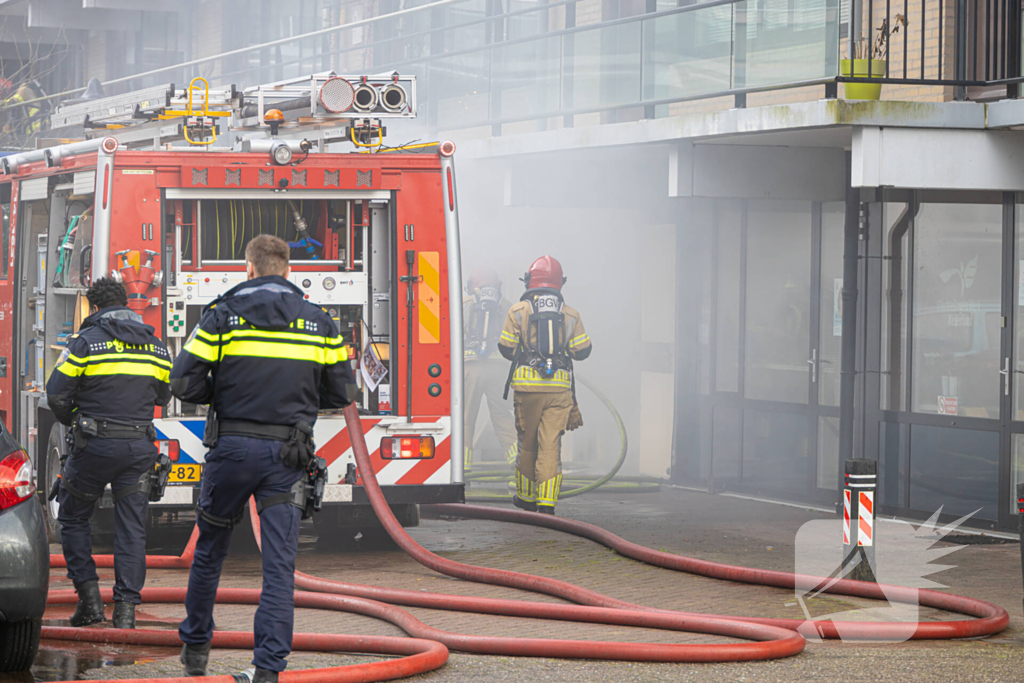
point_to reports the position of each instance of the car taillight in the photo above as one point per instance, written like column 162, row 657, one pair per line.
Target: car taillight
column 407, row 447
column 16, row 481
column 169, row 447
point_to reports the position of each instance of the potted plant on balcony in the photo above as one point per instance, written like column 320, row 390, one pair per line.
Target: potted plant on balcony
column 870, row 61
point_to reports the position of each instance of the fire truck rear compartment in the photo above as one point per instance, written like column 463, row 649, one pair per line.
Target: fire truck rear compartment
column 208, row 237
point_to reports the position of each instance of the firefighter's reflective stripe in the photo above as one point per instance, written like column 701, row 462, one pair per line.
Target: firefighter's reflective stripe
column 268, row 344
column 579, row 340
column 116, row 364
column 547, row 491
column 525, row 376
column 509, row 337
column 525, row 488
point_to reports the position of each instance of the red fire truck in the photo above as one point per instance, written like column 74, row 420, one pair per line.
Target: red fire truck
column 165, row 187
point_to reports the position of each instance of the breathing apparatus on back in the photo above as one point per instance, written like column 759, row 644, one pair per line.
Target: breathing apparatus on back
column 543, row 345
column 481, row 335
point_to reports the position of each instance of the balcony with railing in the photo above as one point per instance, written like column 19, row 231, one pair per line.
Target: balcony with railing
column 527, row 66
column 486, row 67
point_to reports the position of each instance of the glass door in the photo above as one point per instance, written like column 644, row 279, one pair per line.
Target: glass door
column 770, row 358
column 826, row 354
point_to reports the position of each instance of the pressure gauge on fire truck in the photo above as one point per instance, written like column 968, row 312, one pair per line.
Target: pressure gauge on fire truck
column 329, row 283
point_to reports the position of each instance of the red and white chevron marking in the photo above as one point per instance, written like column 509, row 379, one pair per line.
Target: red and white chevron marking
column 846, row 516
column 866, row 518
column 335, row 446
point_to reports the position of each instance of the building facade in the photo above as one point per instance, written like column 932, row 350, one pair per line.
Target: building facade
column 717, row 189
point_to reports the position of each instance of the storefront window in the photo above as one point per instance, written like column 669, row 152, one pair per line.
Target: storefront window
column 957, row 309
column 897, row 219
column 956, row 469
column 828, row 453
column 778, row 301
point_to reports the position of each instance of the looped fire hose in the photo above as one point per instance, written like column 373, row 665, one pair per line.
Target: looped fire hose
column 428, row 647
column 577, row 484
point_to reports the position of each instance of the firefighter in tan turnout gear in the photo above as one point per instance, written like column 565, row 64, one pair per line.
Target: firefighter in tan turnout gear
column 542, row 337
column 483, row 312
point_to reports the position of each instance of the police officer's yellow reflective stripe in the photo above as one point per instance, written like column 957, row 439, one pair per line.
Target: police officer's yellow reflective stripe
column 294, row 336
column 116, row 357
column 72, row 366
column 324, row 350
column 136, row 369
column 199, row 348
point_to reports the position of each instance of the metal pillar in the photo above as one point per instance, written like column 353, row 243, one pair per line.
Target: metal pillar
column 848, row 358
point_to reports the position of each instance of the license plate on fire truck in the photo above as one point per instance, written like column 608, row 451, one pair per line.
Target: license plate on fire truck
column 189, row 473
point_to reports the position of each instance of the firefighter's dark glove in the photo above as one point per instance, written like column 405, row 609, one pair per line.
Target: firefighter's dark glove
column 575, row 418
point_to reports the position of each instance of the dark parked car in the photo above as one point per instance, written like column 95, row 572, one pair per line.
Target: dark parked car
column 24, row 558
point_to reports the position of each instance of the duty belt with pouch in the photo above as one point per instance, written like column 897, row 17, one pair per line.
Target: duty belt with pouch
column 298, row 448
column 212, row 429
column 298, row 451
column 101, row 428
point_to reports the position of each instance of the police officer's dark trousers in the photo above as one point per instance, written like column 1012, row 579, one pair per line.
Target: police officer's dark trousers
column 236, row 468
column 120, row 463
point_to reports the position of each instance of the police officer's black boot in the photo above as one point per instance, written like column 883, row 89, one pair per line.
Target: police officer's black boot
column 90, row 605
column 124, row 615
column 264, row 676
column 256, row 675
column 195, row 657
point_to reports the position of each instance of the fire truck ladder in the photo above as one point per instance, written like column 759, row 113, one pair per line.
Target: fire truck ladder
column 323, row 107
column 156, row 115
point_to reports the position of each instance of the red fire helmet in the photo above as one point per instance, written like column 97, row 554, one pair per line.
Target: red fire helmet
column 545, row 272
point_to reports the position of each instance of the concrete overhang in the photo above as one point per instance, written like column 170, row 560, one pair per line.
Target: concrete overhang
column 823, row 123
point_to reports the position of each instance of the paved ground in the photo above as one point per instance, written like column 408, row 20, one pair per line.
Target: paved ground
column 718, row 528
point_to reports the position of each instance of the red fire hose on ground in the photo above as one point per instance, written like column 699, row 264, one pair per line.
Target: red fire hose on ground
column 428, row 647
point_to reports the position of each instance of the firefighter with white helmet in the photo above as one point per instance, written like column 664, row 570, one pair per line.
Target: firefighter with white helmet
column 483, row 313
column 542, row 337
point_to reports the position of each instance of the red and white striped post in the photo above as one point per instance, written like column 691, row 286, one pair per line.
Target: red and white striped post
column 859, row 487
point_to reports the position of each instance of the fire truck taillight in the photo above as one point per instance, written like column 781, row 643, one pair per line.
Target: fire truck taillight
column 109, row 145
column 169, row 447
column 407, row 447
column 446, row 148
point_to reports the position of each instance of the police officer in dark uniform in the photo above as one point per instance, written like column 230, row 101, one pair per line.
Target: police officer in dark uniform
column 105, row 386
column 266, row 361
